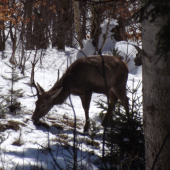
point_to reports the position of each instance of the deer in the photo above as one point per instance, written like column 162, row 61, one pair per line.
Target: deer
column 87, row 75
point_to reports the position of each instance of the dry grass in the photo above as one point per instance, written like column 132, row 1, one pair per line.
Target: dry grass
column 93, row 143
column 70, row 122
column 57, row 125
column 18, row 141
column 63, row 136
column 66, row 121
column 14, row 125
column 50, row 118
column 62, row 139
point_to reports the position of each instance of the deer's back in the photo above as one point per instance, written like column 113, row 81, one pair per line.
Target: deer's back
column 88, row 73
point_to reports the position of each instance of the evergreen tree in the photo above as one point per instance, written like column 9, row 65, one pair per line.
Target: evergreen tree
column 124, row 134
column 12, row 103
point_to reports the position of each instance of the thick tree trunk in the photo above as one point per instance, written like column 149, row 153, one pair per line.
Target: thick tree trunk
column 83, row 14
column 119, row 30
column 95, row 25
column 156, row 99
column 77, row 22
column 2, row 37
column 63, row 16
column 40, row 37
column 29, row 44
column 54, row 31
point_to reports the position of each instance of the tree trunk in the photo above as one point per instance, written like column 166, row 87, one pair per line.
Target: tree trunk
column 14, row 43
column 77, row 23
column 62, row 23
column 83, row 14
column 156, row 98
column 2, row 37
column 95, row 25
column 119, row 30
column 70, row 30
column 39, row 33
column 29, row 44
column 54, row 31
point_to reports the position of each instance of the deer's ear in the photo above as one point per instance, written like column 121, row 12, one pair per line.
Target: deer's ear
column 40, row 89
column 56, row 93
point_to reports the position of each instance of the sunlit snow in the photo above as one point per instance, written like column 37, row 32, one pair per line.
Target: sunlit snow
column 35, row 141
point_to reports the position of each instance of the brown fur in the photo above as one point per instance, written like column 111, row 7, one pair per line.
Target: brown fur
column 82, row 78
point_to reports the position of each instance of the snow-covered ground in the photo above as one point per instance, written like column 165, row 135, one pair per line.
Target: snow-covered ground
column 24, row 145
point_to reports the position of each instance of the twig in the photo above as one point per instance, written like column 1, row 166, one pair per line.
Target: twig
column 104, row 132
column 50, row 151
column 74, row 132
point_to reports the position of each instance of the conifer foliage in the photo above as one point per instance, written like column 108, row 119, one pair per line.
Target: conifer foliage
column 11, row 102
column 124, row 133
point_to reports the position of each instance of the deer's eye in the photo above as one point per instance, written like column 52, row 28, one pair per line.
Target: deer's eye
column 43, row 106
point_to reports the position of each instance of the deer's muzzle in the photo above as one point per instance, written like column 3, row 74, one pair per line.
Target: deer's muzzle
column 35, row 120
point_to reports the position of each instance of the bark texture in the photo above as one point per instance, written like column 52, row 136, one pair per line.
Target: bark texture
column 63, row 15
column 2, row 37
column 77, row 22
column 156, row 98
column 95, row 25
column 29, row 45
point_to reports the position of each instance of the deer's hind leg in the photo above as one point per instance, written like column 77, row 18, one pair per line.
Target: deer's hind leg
column 112, row 101
column 85, row 99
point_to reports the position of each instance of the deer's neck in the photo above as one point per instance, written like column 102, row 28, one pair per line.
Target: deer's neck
column 62, row 96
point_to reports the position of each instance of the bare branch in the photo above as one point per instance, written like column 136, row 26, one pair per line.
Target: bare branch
column 32, row 81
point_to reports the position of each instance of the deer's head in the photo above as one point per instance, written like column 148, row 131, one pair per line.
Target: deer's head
column 44, row 102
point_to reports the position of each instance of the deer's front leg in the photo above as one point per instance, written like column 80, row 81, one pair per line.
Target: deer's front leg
column 85, row 99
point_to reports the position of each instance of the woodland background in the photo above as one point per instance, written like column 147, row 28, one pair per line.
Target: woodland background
column 38, row 26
